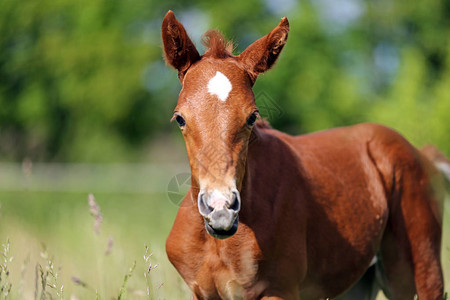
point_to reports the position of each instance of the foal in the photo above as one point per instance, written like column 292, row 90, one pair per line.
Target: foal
column 274, row 216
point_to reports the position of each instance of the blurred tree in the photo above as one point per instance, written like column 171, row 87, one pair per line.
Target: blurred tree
column 85, row 80
column 71, row 77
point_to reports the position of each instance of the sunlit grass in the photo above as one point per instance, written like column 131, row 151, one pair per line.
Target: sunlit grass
column 87, row 263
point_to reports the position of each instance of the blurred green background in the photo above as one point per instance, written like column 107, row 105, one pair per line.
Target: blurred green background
column 85, row 103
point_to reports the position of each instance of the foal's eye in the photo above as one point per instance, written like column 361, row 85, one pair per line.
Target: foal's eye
column 252, row 119
column 181, row 122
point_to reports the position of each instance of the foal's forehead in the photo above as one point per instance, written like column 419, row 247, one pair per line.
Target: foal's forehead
column 219, row 79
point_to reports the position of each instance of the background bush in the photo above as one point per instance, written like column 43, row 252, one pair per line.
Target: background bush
column 85, row 80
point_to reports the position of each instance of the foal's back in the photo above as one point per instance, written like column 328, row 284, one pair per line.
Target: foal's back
column 369, row 190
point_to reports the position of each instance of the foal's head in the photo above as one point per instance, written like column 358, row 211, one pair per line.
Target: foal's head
column 216, row 112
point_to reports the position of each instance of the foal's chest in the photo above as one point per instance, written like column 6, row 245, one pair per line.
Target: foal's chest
column 226, row 275
column 217, row 283
column 223, row 271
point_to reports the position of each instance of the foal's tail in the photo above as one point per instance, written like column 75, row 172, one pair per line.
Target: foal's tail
column 441, row 162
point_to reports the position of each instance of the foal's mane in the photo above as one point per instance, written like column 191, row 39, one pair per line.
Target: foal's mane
column 216, row 44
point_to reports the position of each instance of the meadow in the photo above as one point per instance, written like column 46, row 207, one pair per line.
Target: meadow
column 80, row 251
column 86, row 251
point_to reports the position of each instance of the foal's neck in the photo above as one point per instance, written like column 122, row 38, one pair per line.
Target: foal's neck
column 261, row 146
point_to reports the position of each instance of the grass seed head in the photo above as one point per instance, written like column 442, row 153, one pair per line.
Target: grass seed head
column 95, row 212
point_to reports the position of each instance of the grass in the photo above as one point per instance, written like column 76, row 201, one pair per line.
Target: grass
column 5, row 286
column 84, row 260
column 56, row 245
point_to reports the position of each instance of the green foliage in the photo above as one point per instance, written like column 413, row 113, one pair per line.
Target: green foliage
column 85, row 80
column 71, row 79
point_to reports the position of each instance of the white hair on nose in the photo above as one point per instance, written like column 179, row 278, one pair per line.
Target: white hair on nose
column 220, row 86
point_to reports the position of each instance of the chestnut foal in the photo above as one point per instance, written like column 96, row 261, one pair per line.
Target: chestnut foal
column 274, row 216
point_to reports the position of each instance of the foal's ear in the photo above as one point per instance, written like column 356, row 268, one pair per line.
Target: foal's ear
column 179, row 50
column 262, row 54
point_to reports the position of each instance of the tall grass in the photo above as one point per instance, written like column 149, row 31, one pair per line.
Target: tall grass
column 5, row 284
column 94, row 248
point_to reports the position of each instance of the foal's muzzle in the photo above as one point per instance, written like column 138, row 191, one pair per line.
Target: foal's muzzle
column 220, row 212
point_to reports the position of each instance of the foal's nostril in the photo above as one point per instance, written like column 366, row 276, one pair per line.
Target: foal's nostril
column 235, row 202
column 203, row 207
